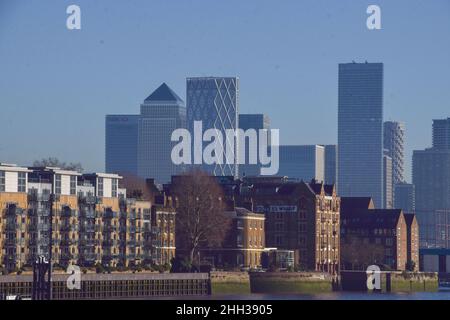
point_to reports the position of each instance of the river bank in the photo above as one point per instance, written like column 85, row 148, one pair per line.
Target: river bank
column 229, row 283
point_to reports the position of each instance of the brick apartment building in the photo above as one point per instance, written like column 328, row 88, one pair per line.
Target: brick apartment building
column 385, row 237
column 300, row 216
column 244, row 243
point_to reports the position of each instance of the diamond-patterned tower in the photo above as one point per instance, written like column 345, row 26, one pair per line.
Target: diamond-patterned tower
column 215, row 102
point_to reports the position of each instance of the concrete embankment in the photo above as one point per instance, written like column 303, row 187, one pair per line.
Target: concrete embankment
column 230, row 282
column 270, row 282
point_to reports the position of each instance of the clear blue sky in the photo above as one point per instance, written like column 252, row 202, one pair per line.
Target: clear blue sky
column 57, row 85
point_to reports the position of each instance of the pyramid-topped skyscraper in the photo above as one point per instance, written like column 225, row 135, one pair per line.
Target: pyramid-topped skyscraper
column 162, row 112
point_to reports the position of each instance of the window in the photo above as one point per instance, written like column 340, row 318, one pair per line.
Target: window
column 73, row 185
column 57, row 184
column 22, row 182
column 2, row 181
column 100, row 187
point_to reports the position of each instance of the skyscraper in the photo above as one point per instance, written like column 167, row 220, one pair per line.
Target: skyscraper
column 257, row 122
column 141, row 144
column 161, row 113
column 121, row 144
column 431, row 178
column 387, row 178
column 330, row 164
column 215, row 102
column 303, row 162
column 360, row 131
column 441, row 133
column 405, row 197
column 394, row 140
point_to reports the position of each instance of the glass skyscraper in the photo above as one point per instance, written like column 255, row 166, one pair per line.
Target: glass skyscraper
column 360, row 131
column 330, row 163
column 161, row 113
column 121, row 144
column 257, row 122
column 141, row 144
column 215, row 102
column 303, row 162
column 431, row 179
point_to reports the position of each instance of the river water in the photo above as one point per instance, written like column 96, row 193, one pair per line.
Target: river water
column 440, row 295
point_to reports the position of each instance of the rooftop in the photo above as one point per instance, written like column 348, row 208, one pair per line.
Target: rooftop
column 163, row 93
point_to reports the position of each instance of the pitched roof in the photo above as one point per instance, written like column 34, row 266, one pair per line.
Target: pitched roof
column 163, row 93
column 409, row 218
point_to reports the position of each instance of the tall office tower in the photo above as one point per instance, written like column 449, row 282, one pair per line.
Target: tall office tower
column 431, row 178
column 360, row 131
column 121, row 144
column 394, row 141
column 405, row 197
column 161, row 113
column 305, row 162
column 257, row 122
column 215, row 102
column 330, row 164
column 441, row 133
column 387, row 178
column 141, row 144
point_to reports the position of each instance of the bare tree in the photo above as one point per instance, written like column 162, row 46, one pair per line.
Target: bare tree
column 55, row 162
column 201, row 219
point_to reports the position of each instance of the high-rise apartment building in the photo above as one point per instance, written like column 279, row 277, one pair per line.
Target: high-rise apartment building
column 394, row 144
column 387, row 178
column 360, row 131
column 141, row 144
column 215, row 102
column 303, row 162
column 256, row 122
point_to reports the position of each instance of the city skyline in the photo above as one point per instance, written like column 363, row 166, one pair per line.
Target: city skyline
column 269, row 81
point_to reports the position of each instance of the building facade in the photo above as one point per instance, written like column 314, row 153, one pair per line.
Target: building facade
column 441, row 134
column 384, row 237
column 256, row 122
column 360, row 131
column 330, row 164
column 215, row 102
column 121, row 144
column 405, row 197
column 388, row 192
column 301, row 217
column 394, row 144
column 244, row 243
column 85, row 219
column 302, row 162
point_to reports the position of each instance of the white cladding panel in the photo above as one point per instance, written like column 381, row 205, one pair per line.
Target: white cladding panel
column 107, row 187
column 11, row 181
column 65, row 184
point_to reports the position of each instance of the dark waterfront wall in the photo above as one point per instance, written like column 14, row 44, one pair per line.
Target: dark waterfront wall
column 391, row 281
column 114, row 286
